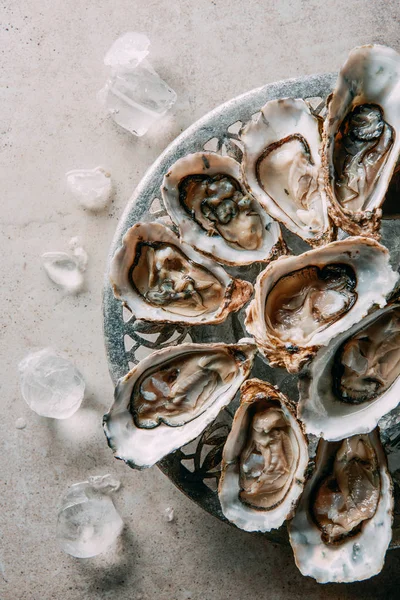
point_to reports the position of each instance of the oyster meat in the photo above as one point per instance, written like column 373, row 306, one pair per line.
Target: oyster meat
column 342, row 526
column 302, row 302
column 264, row 460
column 362, row 139
column 205, row 196
column 162, row 279
column 355, row 380
column 282, row 166
column 171, row 396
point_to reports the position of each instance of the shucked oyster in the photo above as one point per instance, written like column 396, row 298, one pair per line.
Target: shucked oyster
column 162, row 279
column 342, row 526
column 206, row 198
column 355, row 380
column 282, row 166
column 302, row 302
column 264, row 460
column 170, row 397
column 362, row 140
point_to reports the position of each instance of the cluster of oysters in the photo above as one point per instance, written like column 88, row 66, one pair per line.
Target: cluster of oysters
column 331, row 314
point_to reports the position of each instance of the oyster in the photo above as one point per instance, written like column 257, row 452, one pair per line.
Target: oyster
column 282, row 165
column 361, row 137
column 355, row 380
column 206, row 198
column 302, row 302
column 170, row 397
column 264, row 460
column 342, row 526
column 162, row 279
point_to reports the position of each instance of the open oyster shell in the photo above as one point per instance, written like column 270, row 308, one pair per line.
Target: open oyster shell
column 302, row 302
column 282, row 166
column 264, row 460
column 171, row 396
column 355, row 380
column 206, row 198
column 361, row 137
column 342, row 526
column 162, row 279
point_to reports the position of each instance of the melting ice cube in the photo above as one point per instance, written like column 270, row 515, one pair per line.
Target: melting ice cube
column 128, row 50
column 50, row 384
column 79, row 254
column 134, row 95
column 105, row 483
column 63, row 270
column 169, row 514
column 91, row 187
column 88, row 522
column 20, row 423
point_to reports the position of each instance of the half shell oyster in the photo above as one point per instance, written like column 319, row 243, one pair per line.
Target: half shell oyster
column 171, row 396
column 264, row 460
column 342, row 526
column 206, row 198
column 162, row 279
column 282, row 165
column 302, row 302
column 355, row 380
column 362, row 140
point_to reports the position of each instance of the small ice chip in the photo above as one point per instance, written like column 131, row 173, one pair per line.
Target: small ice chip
column 79, row 254
column 105, row 483
column 50, row 384
column 91, row 187
column 169, row 514
column 88, row 522
column 20, row 423
column 128, row 50
column 63, row 270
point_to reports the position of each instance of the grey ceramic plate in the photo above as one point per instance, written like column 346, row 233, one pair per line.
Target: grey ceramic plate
column 195, row 467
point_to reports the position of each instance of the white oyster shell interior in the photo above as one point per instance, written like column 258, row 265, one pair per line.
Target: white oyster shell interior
column 361, row 504
column 205, row 196
column 162, row 279
column 282, row 166
column 264, row 460
column 355, row 380
column 302, row 302
column 361, row 132
column 170, row 397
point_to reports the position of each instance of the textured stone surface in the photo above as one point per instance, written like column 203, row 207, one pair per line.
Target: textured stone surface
column 52, row 66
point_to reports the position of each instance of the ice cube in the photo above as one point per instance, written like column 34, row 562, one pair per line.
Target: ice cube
column 79, row 253
column 50, row 384
column 88, row 522
column 20, row 423
column 63, row 270
column 105, row 483
column 91, row 187
column 169, row 514
column 137, row 98
column 128, row 50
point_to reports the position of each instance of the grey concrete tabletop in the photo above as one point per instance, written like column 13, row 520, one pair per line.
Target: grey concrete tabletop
column 51, row 68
